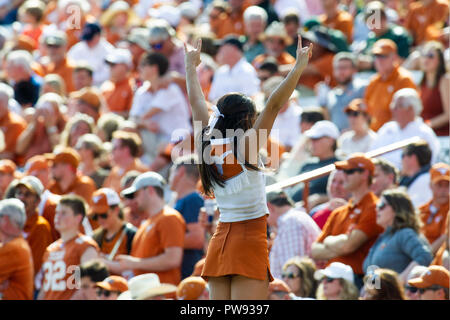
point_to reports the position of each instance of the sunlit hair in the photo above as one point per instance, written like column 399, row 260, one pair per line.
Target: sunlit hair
column 405, row 213
column 441, row 67
column 74, row 121
column 388, row 286
column 306, row 268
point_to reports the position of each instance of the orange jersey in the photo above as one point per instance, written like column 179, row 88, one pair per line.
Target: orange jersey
column 61, row 261
column 343, row 21
column 16, row 267
column 379, row 94
column 39, row 236
column 345, row 219
column 433, row 221
column 82, row 186
column 164, row 230
column 118, row 95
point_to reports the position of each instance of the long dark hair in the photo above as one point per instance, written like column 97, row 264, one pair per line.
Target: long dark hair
column 441, row 68
column 239, row 113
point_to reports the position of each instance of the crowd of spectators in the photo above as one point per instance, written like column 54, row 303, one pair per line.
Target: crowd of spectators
column 100, row 192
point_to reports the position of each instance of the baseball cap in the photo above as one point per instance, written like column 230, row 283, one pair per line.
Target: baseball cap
column 434, row 275
column 88, row 95
column 323, row 128
column 55, row 38
column 357, row 105
column 114, row 283
column 384, row 47
column 147, row 179
column 33, row 184
column 67, row 155
column 35, row 163
column 103, row 198
column 139, row 36
column 355, row 161
column 90, row 30
column 119, row 55
column 440, row 172
column 335, row 270
column 231, row 40
column 190, row 288
column 7, row 166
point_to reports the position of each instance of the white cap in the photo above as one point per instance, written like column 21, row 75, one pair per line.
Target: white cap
column 31, row 182
column 323, row 128
column 119, row 55
column 147, row 179
column 335, row 270
column 166, row 12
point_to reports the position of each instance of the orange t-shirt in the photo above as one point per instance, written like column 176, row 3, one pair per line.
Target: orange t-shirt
column 345, row 219
column 107, row 245
column 118, row 96
column 421, row 18
column 379, row 94
column 16, row 267
column 83, row 186
column 60, row 262
column 164, row 230
column 343, row 21
column 116, row 174
column 12, row 126
column 64, row 70
column 38, row 234
column 437, row 226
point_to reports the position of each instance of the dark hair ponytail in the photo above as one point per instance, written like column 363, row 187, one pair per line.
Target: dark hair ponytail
column 239, row 113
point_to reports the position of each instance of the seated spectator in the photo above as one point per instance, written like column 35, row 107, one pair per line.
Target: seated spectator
column 11, row 124
column 323, row 135
column 218, row 15
column 401, row 246
column 360, row 136
column 193, row 288
column 382, row 284
column 114, row 236
column 434, row 88
column 107, row 124
column 77, row 126
column 87, row 101
column 117, row 91
column 147, row 287
column 91, row 273
column 337, row 196
column 275, row 39
column 298, row 273
column 267, row 69
column 411, row 292
column 433, row 284
column 433, row 214
column 93, row 48
column 255, row 21
column 235, row 74
column 424, row 18
column 111, row 288
column 90, row 148
column 125, row 152
column 406, row 123
column 294, row 230
column 132, row 212
column 16, row 263
column 117, row 20
column 31, row 14
column 183, row 181
column 336, row 283
column 415, row 176
column 82, row 76
column 347, row 89
column 351, row 230
column 386, row 176
column 7, row 175
column 335, row 18
column 291, row 21
column 138, row 44
column 389, row 79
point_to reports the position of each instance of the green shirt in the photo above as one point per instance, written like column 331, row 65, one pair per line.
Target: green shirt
column 398, row 34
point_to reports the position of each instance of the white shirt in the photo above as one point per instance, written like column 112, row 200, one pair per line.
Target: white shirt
column 390, row 132
column 95, row 57
column 174, row 107
column 241, row 78
column 419, row 191
column 347, row 145
column 286, row 128
column 296, row 233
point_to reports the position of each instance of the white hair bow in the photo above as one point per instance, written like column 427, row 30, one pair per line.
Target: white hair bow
column 213, row 119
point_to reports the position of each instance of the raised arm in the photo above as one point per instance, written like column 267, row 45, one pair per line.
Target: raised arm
column 194, row 90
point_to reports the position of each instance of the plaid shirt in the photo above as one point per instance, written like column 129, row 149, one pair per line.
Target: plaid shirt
column 296, row 233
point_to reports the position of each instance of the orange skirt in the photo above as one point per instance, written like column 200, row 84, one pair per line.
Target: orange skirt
column 239, row 248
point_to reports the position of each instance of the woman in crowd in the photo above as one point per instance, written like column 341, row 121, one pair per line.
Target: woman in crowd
column 298, row 273
column 336, row 283
column 382, row 284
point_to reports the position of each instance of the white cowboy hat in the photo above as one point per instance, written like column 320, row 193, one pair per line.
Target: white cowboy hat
column 146, row 286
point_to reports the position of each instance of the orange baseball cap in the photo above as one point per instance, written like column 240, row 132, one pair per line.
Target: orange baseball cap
column 89, row 95
column 435, row 275
column 38, row 162
column 7, row 166
column 356, row 161
column 67, row 155
column 357, row 105
column 114, row 283
column 440, row 172
column 384, row 47
column 190, row 288
column 279, row 285
column 102, row 199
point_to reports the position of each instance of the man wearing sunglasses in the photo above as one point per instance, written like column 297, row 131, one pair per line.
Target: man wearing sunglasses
column 433, row 284
column 351, row 230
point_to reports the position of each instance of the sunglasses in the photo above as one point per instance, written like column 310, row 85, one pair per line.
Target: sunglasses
column 100, row 215
column 353, row 113
column 434, row 288
column 352, row 171
column 157, row 46
column 23, row 194
column 381, row 205
column 411, row 289
column 380, row 56
column 328, row 279
column 289, row 275
column 105, row 293
column 429, row 55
